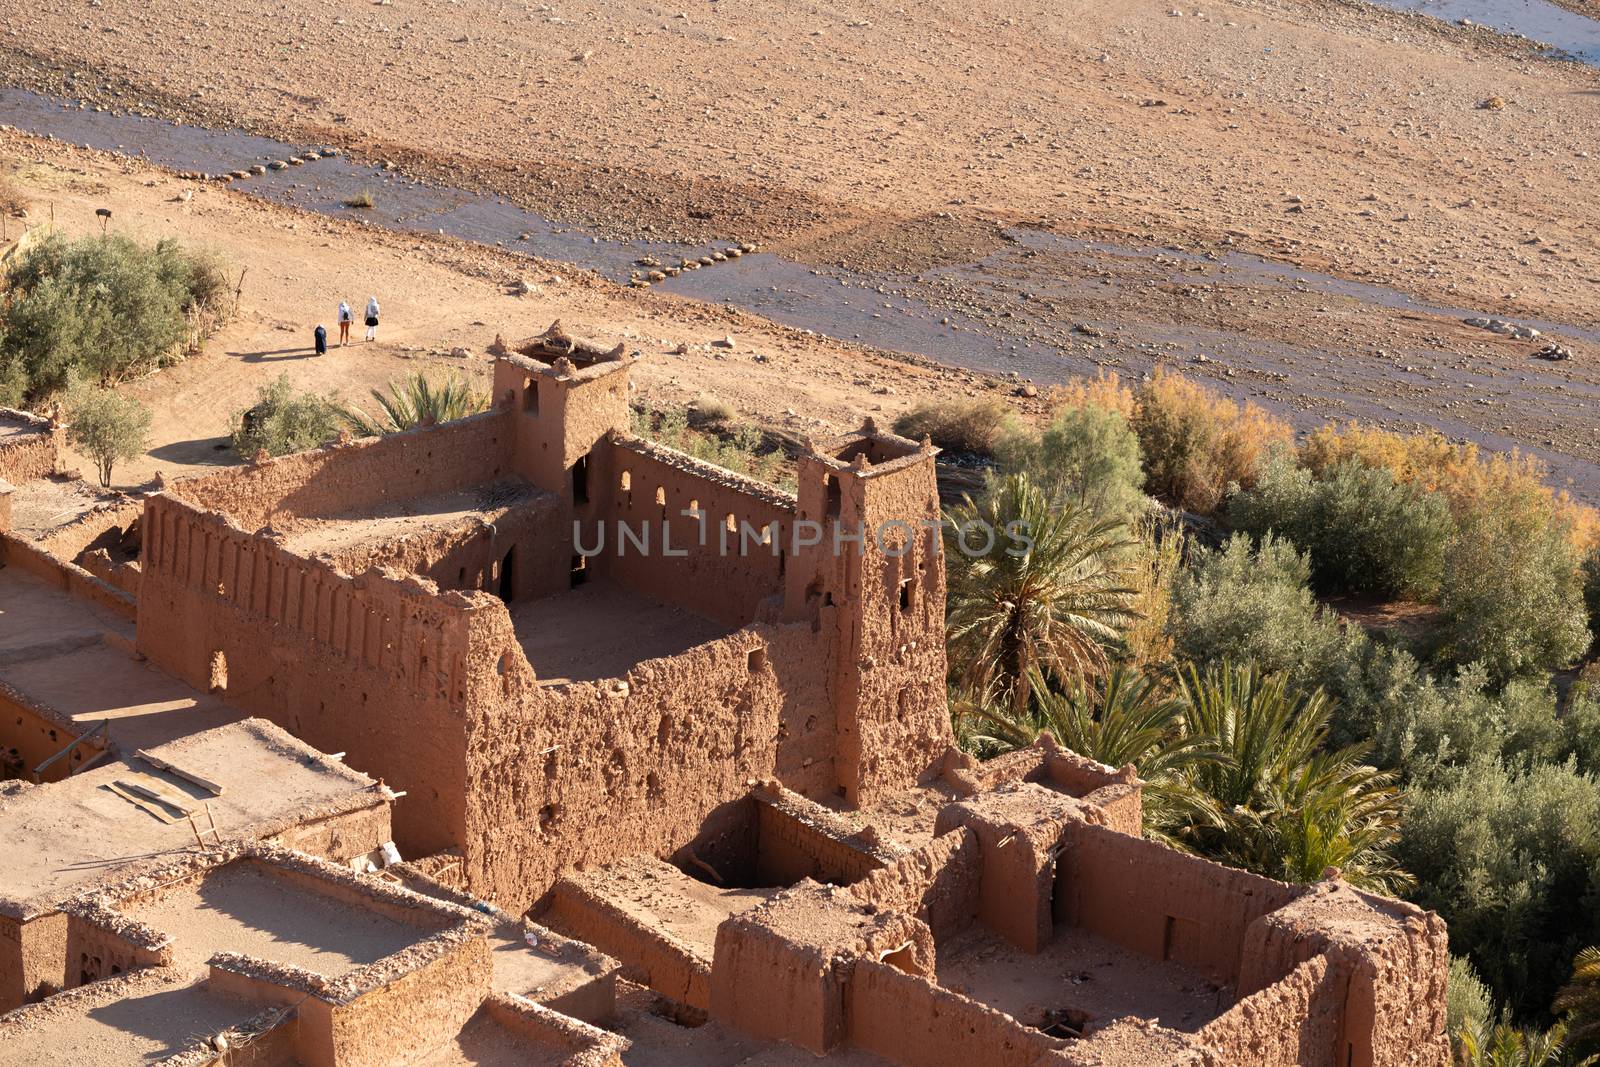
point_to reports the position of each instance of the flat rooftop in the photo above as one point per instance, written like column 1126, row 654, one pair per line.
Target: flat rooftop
column 355, row 534
column 44, row 505
column 78, row 832
column 38, row 619
column 602, row 630
column 141, row 1017
column 247, row 908
column 1077, row 972
column 659, row 896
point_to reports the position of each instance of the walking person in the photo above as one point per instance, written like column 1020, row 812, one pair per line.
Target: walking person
column 346, row 317
column 320, row 338
column 372, row 318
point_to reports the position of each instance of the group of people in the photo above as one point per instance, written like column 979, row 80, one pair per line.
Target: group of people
column 346, row 317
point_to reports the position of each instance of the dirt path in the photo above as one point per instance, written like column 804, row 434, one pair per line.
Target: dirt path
column 437, row 296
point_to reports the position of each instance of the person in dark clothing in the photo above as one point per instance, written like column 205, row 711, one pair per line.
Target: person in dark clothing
column 321, row 335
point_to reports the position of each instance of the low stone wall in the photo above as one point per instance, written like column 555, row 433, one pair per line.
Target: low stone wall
column 909, row 1020
column 584, row 1045
column 32, row 453
column 939, row 883
column 66, row 575
column 798, row 838
column 651, row 956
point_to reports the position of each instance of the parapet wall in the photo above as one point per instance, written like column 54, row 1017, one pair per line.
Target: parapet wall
column 939, row 883
column 358, row 476
column 590, row 772
column 1161, row 903
column 713, row 565
column 30, row 446
column 370, row 665
column 907, row 1019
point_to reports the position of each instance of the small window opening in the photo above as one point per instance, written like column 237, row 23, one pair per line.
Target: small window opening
column 508, row 575
column 219, row 672
column 835, row 497
column 580, row 571
column 580, row 481
column 757, row 661
column 530, row 396
column 905, row 595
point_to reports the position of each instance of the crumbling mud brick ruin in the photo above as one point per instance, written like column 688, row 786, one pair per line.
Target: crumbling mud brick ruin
column 522, row 739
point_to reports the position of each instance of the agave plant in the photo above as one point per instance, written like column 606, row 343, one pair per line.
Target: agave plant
column 1283, row 805
column 1052, row 604
column 415, row 401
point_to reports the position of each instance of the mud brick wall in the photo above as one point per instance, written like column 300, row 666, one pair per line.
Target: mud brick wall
column 939, row 883
column 340, row 837
column 1291, row 1023
column 590, row 772
column 371, row 665
column 909, row 1020
column 1161, row 903
column 362, row 475
column 655, row 958
column 794, row 842
column 36, row 732
column 397, row 1022
column 723, row 574
column 95, row 951
column 32, row 453
column 32, row 958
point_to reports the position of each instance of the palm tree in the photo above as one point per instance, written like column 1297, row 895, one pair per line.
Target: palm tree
column 1284, row 806
column 1053, row 597
column 415, row 401
column 1506, row 1046
column 1124, row 717
column 1579, row 999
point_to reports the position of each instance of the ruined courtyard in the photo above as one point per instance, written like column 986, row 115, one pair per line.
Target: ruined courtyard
column 523, row 740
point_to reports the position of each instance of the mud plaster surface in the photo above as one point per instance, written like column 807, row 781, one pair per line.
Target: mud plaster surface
column 144, row 1019
column 1079, row 971
column 337, row 534
column 662, row 897
column 36, row 618
column 41, row 506
column 601, row 630
column 659, row 1042
column 76, row 831
column 483, row 1042
column 239, row 909
column 523, row 970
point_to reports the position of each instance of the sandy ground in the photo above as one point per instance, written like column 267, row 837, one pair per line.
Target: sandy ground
column 850, row 131
column 438, row 295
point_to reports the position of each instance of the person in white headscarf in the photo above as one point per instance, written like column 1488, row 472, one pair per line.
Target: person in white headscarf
column 372, row 318
column 346, row 317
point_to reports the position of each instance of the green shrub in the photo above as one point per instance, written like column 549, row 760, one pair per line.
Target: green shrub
column 1365, row 532
column 977, row 426
column 1467, row 1004
column 1253, row 605
column 740, row 449
column 282, row 421
column 107, row 427
column 1591, row 588
column 1511, row 859
column 1512, row 597
column 362, row 200
column 103, row 308
column 1086, row 455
